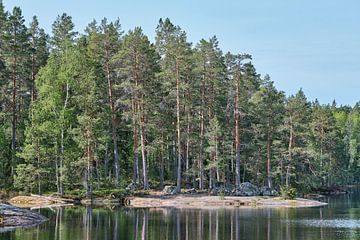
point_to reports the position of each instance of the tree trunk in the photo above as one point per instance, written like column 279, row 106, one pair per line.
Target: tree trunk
column 106, row 162
column 237, row 137
column 187, row 164
column 62, row 148
column 113, row 117
column 201, row 170
column 288, row 170
column 13, row 122
column 135, row 147
column 178, row 183
column 33, row 72
column 162, row 163
column 88, row 175
column 143, row 151
column 268, row 159
column 38, row 166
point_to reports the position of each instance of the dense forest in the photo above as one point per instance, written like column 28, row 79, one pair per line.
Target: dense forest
column 106, row 108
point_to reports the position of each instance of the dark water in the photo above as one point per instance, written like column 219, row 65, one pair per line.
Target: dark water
column 339, row 220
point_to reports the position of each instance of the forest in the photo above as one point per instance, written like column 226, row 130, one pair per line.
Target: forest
column 107, row 108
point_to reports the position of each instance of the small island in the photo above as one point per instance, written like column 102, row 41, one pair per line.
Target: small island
column 202, row 201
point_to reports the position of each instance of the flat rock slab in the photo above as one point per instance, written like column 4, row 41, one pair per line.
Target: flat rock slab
column 203, row 201
column 14, row 217
column 37, row 201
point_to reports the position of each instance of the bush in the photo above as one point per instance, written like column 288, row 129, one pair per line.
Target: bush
column 25, row 179
column 288, row 192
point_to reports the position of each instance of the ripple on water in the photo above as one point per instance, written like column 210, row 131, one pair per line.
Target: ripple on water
column 330, row 223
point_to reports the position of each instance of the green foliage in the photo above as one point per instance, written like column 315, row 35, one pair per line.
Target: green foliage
column 288, row 192
column 25, row 179
column 107, row 103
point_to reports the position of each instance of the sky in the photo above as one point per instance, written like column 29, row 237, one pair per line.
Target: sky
column 308, row 44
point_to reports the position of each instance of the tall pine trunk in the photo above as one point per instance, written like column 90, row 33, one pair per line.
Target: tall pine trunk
column 237, row 137
column 178, row 182
column 113, row 118
column 143, row 150
column 268, row 158
column 135, row 146
column 162, row 162
column 288, row 170
column 201, row 150
column 13, row 121
column 187, row 163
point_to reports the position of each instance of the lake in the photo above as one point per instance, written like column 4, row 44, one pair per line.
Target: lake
column 339, row 220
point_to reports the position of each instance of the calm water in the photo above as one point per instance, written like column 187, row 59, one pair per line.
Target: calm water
column 339, row 220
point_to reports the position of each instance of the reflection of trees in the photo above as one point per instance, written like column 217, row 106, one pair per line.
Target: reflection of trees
column 144, row 228
column 171, row 224
column 58, row 224
column 87, row 222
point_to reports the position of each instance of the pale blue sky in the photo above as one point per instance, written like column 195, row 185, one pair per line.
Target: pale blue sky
column 313, row 44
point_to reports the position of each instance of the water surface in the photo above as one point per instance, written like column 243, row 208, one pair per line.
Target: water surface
column 339, row 220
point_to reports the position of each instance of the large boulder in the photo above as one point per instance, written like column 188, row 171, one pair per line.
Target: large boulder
column 190, row 191
column 132, row 186
column 169, row 189
column 246, row 189
column 13, row 217
column 249, row 189
column 221, row 190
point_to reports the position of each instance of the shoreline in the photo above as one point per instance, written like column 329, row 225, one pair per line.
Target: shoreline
column 204, row 201
column 160, row 200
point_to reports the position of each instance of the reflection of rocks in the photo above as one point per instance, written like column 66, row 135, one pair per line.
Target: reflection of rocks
column 245, row 189
column 16, row 217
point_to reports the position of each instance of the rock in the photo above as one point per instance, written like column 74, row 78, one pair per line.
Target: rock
column 39, row 201
column 221, row 190
column 238, row 193
column 13, row 217
column 266, row 191
column 132, row 186
column 249, row 189
column 190, row 191
column 169, row 190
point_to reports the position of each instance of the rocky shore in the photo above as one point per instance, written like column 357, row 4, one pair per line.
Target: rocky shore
column 205, row 201
column 13, row 217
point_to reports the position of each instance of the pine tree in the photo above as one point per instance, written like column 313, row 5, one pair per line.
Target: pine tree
column 16, row 48
column 87, row 96
column 137, row 65
column 111, row 35
column 211, row 73
column 270, row 110
column 175, row 52
column 39, row 51
column 235, row 67
column 63, row 31
column 296, row 124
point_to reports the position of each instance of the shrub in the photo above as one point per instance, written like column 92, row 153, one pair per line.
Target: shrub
column 288, row 192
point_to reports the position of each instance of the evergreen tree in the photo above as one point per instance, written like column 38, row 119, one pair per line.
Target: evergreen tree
column 63, row 31
column 16, row 48
column 175, row 52
column 270, row 110
column 38, row 50
column 137, row 65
